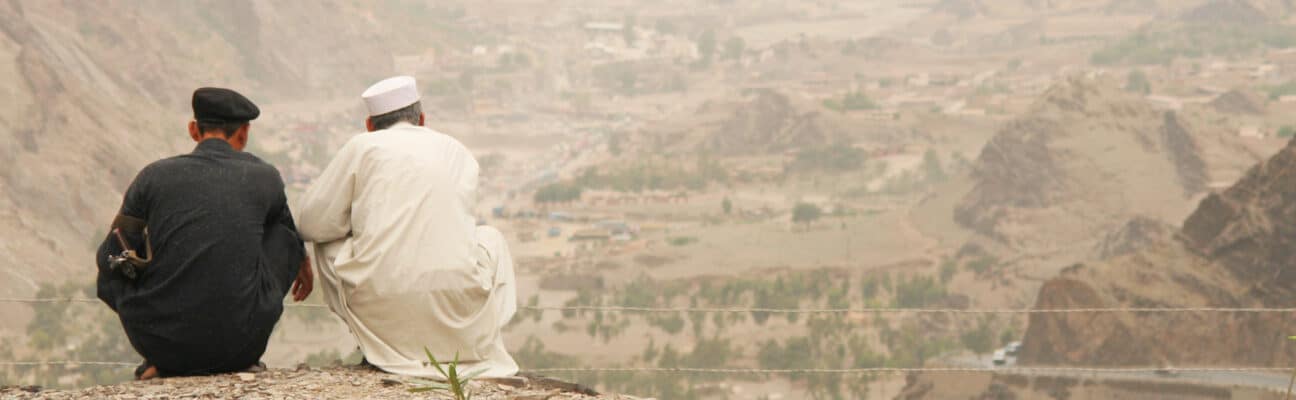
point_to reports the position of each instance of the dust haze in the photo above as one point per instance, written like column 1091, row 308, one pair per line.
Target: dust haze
column 935, row 154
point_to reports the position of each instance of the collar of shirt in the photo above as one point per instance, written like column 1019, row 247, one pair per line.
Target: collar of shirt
column 213, row 146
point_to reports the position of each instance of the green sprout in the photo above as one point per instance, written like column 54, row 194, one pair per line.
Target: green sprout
column 1293, row 378
column 454, row 383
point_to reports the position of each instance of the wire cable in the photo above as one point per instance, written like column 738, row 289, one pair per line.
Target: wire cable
column 809, row 310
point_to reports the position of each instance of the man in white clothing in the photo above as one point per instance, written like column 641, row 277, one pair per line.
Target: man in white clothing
column 400, row 256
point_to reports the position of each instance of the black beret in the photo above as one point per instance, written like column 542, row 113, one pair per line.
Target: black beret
column 222, row 105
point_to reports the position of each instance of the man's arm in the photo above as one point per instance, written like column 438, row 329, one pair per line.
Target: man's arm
column 109, row 283
column 466, row 171
column 325, row 213
column 281, row 220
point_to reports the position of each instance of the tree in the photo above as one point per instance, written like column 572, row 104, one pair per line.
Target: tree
column 870, row 287
column 806, row 213
column 628, row 31
column 466, row 81
column 854, row 100
column 948, row 268
column 932, row 165
column 489, row 162
column 1137, row 82
column 1286, row 131
column 1007, row 337
column 980, row 340
column 982, row 265
column 628, row 78
column 650, row 352
column 707, row 45
column 726, row 205
column 558, row 193
column 665, row 27
column 614, row 143
column 919, row 292
column 734, row 47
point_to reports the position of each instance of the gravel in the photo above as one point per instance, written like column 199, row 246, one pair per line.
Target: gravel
column 328, row 383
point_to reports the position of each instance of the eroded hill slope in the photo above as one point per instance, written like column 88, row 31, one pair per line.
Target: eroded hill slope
column 1236, row 251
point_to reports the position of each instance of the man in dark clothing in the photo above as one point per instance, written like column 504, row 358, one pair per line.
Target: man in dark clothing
column 223, row 246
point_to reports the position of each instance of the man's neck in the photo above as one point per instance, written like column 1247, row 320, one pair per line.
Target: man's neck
column 211, row 136
column 210, row 140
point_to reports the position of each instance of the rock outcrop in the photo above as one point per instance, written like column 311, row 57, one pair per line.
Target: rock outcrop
column 1137, row 234
column 772, row 122
column 999, row 386
column 1235, row 250
column 1087, row 157
column 329, row 383
column 95, row 90
column 1238, row 102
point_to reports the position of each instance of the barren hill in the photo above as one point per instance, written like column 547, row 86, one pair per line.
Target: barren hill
column 1235, row 250
column 993, row 386
column 95, row 90
column 1087, row 157
column 1239, row 102
column 772, row 122
column 759, row 122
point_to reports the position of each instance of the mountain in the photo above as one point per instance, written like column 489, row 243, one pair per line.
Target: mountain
column 1012, row 386
column 1234, row 251
column 96, row 90
column 1238, row 102
column 773, row 122
column 1087, row 157
column 1229, row 12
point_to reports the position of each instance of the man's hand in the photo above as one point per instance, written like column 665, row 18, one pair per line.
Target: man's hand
column 305, row 281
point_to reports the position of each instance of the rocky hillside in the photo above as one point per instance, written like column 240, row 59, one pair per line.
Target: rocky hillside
column 989, row 386
column 95, row 90
column 1239, row 102
column 771, row 122
column 1233, row 251
column 1139, row 233
column 332, row 383
column 1087, row 157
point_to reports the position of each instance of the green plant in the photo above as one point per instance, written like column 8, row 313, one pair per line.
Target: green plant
column 1293, row 378
column 681, row 240
column 948, row 268
column 921, row 291
column 455, row 384
column 1137, row 82
column 983, row 265
column 979, row 340
column 851, row 101
column 932, row 166
column 806, row 213
column 1286, row 131
column 1286, row 89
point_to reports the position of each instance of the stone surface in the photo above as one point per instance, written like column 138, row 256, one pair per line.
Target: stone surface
column 332, row 383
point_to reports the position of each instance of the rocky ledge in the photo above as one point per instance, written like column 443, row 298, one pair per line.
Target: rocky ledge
column 328, row 383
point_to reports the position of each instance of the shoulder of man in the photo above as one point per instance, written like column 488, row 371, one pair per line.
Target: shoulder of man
column 163, row 166
column 261, row 166
column 450, row 140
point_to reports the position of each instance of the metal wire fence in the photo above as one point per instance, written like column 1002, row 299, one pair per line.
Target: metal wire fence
column 755, row 371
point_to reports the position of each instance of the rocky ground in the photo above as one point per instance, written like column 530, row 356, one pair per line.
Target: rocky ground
column 1234, row 251
column 304, row 383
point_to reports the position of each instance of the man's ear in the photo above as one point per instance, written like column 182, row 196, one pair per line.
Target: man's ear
column 420, row 119
column 193, row 131
column 369, row 124
column 240, row 138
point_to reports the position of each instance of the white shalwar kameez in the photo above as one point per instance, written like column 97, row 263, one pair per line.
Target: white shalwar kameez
column 400, row 256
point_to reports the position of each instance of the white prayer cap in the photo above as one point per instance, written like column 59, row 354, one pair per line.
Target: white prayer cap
column 390, row 94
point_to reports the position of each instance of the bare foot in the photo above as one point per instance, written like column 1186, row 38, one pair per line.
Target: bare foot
column 149, row 373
